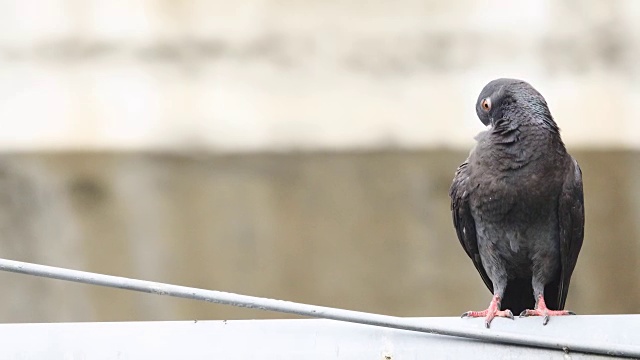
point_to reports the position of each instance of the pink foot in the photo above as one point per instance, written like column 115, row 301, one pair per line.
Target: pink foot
column 490, row 312
column 542, row 310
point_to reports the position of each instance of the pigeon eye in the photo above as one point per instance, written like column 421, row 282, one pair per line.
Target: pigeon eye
column 486, row 104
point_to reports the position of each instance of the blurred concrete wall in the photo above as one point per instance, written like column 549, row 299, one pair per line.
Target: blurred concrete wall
column 293, row 149
column 366, row 231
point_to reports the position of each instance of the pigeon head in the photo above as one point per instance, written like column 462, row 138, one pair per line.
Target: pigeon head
column 512, row 102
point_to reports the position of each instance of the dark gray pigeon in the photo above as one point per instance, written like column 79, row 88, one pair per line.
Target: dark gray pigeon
column 517, row 204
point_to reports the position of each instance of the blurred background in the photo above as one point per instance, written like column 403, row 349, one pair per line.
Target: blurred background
column 299, row 150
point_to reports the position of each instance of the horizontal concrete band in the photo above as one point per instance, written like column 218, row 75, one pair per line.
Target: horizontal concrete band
column 314, row 75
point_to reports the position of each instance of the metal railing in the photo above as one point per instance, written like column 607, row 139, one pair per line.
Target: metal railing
column 491, row 335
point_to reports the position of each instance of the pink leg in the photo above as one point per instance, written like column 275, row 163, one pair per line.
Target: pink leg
column 491, row 312
column 542, row 310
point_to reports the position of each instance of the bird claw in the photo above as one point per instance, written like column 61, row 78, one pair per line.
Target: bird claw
column 508, row 314
column 505, row 314
column 489, row 314
column 542, row 310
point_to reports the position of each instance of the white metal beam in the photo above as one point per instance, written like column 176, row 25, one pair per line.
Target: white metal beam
column 597, row 345
column 300, row 339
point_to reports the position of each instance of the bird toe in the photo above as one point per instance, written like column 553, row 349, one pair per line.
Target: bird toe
column 508, row 314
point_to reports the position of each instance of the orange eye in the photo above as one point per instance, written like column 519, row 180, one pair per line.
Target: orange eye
column 486, row 104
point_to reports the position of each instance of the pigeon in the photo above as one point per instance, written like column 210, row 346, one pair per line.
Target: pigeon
column 517, row 204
